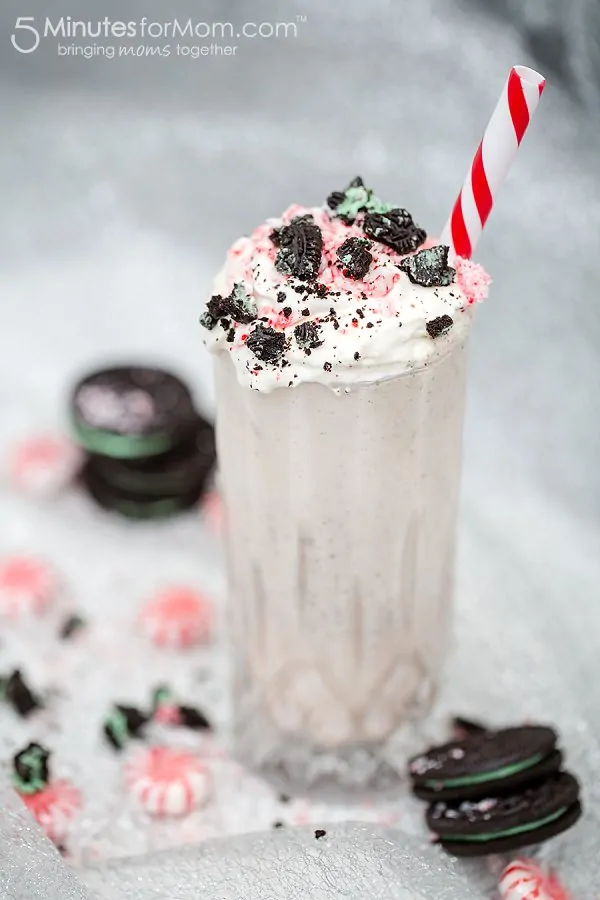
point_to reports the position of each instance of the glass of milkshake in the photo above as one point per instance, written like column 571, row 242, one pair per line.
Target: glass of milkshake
column 339, row 336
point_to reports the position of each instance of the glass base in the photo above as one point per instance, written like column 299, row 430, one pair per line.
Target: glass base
column 294, row 765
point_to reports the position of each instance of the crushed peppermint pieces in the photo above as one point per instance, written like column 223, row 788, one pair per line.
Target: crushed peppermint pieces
column 394, row 228
column 267, row 344
column 439, row 326
column 429, row 268
column 300, row 248
column 355, row 258
column 472, row 279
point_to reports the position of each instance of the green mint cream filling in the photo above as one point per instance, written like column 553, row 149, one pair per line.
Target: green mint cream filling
column 509, row 832
column 121, row 446
column 483, row 777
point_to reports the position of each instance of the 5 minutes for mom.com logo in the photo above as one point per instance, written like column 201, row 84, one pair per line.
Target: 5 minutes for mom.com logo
column 28, row 32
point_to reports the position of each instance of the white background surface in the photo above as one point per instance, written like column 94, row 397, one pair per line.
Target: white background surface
column 122, row 185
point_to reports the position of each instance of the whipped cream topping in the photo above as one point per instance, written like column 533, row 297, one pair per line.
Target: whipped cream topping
column 305, row 304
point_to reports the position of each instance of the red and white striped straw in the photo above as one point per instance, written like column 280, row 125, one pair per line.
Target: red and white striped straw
column 493, row 159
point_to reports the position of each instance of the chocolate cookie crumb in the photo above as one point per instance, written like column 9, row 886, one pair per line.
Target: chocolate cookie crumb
column 439, row 326
column 278, row 824
column 281, row 297
column 287, row 311
column 327, row 366
column 429, row 268
column 238, row 306
column 395, row 229
column 357, row 198
column 305, row 312
column 31, row 772
column 19, row 695
column 360, row 314
column 207, row 321
column 354, row 257
column 284, row 798
column 231, row 336
column 357, row 355
column 266, row 343
column 300, row 248
column 307, row 336
column 70, row 626
column 319, row 833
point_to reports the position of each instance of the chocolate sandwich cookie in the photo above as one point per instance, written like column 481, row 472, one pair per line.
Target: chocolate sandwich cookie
column 484, row 763
column 180, row 471
column 132, row 505
column 503, row 824
column 131, row 412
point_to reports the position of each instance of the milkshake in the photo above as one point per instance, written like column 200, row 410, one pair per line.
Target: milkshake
column 339, row 334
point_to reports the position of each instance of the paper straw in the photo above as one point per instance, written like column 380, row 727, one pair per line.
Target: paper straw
column 501, row 140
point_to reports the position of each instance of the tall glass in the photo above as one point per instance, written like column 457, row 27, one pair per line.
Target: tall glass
column 341, row 523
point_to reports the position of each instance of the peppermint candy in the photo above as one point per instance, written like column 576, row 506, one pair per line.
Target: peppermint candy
column 43, row 466
column 524, row 880
column 167, row 782
column 179, row 617
column 54, row 807
column 27, row 586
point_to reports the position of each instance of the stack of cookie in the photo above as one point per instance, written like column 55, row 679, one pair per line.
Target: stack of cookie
column 149, row 453
column 496, row 791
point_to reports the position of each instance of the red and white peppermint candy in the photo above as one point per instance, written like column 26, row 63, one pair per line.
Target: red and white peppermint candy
column 27, row 586
column 54, row 807
column 524, row 880
column 179, row 617
column 167, row 782
column 43, row 466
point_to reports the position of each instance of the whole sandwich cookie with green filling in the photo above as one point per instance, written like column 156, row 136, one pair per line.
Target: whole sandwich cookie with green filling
column 501, row 824
column 131, row 412
column 484, row 763
column 178, row 471
column 134, row 505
